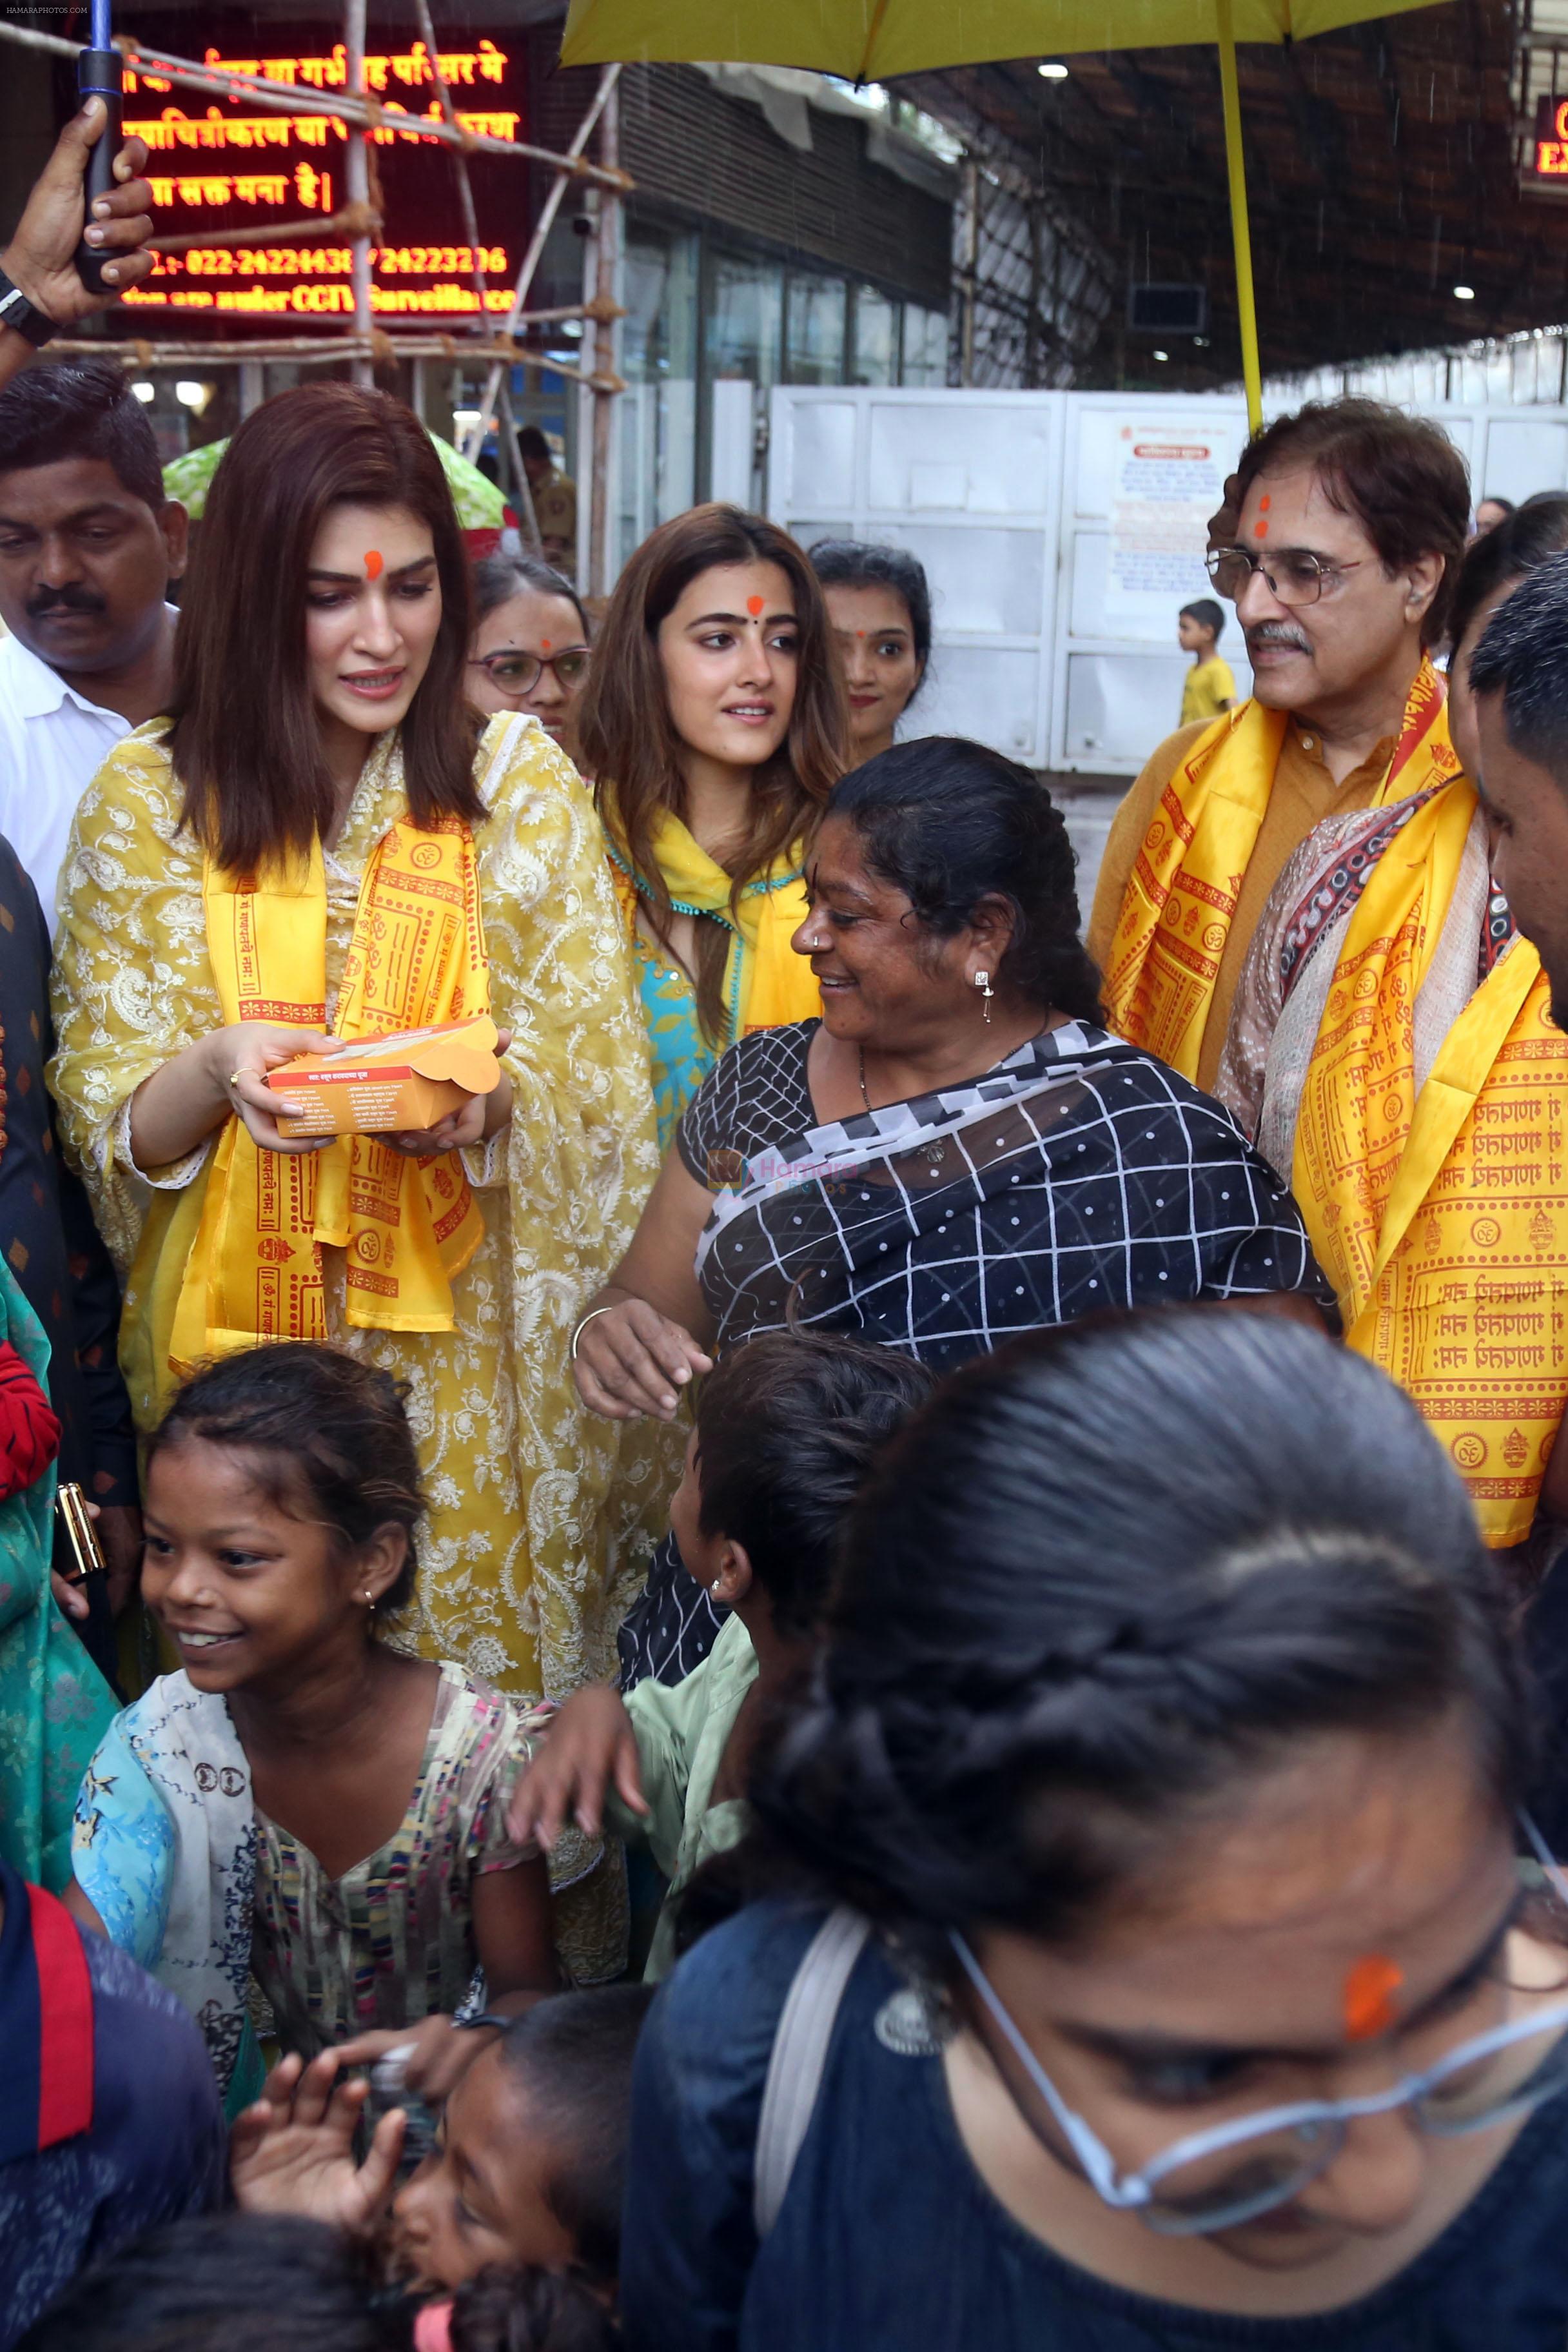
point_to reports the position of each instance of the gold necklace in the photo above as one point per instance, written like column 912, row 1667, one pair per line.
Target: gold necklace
column 860, row 1052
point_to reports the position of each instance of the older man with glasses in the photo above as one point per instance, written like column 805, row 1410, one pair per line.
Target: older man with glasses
column 1340, row 553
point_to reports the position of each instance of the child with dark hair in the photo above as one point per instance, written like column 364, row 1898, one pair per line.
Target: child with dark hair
column 256, row 2282
column 300, row 1801
column 533, row 2160
column 786, row 1431
column 1209, row 687
column 530, row 2168
column 235, row 2283
column 528, row 2311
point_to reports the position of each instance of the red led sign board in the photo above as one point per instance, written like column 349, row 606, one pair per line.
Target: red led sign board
column 224, row 163
column 1546, row 158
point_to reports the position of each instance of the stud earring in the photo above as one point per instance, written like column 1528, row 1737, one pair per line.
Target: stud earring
column 982, row 982
column 717, row 1584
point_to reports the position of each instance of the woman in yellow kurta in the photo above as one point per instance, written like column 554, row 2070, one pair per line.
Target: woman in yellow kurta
column 715, row 720
column 321, row 839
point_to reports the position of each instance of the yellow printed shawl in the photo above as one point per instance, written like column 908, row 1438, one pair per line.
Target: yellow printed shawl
column 1441, row 1217
column 1181, row 896
column 417, row 956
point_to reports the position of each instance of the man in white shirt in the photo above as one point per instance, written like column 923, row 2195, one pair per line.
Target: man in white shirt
column 89, row 545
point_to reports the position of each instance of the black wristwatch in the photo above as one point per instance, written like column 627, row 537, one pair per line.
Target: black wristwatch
column 15, row 310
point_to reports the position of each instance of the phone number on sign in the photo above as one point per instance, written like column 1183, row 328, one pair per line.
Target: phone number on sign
column 329, row 261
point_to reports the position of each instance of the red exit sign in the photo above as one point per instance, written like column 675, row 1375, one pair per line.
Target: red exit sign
column 1548, row 157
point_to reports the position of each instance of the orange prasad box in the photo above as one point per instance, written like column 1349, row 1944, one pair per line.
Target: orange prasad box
column 380, row 1084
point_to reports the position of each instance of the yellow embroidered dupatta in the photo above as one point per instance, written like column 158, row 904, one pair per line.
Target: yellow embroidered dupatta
column 418, row 957
column 1181, row 895
column 1441, row 1217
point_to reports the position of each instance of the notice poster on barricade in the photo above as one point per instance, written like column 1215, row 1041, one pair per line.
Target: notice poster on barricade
column 1169, row 481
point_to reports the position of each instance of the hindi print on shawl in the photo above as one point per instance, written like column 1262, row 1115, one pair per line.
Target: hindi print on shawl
column 416, row 957
column 1469, row 1300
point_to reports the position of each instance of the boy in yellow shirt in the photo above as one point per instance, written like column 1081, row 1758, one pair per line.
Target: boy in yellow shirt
column 1210, row 687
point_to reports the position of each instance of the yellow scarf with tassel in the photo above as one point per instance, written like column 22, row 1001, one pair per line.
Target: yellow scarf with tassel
column 767, row 984
column 1181, row 896
column 416, row 957
column 1441, row 1217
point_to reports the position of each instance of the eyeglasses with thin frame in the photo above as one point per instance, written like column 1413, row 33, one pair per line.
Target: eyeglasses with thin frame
column 1466, row 2091
column 1294, row 574
column 512, row 672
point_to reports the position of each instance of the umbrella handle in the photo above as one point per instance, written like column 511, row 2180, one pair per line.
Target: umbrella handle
column 99, row 73
column 1236, row 164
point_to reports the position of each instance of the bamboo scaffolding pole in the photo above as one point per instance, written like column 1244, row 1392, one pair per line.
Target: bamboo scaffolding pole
column 366, row 112
column 143, row 354
column 524, row 487
column 542, row 230
column 459, row 160
column 606, row 254
column 357, row 173
column 347, row 223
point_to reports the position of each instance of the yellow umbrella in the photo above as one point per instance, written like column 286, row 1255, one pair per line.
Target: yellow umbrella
column 873, row 41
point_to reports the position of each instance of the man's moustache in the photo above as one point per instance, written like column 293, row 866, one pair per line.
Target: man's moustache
column 69, row 601
column 1271, row 634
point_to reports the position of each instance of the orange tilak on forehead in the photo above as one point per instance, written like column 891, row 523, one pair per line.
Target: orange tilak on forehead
column 374, row 565
column 755, row 605
column 1370, row 1989
column 1260, row 529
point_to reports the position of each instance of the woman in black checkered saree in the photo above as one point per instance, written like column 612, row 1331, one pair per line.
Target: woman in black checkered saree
column 957, row 1151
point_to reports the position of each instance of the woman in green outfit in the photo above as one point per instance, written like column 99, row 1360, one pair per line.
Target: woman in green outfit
column 54, row 1705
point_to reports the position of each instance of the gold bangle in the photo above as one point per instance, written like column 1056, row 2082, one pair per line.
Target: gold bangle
column 583, row 1325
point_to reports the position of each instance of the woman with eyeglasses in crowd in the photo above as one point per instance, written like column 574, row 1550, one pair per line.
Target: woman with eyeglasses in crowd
column 531, row 643
column 1187, row 1990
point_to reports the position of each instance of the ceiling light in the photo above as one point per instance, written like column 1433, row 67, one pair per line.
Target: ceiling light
column 190, row 395
column 1162, row 355
column 465, row 419
column 1464, row 293
column 1052, row 71
column 145, row 391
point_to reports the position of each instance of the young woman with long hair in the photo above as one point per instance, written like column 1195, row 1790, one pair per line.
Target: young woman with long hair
column 323, row 836
column 715, row 724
